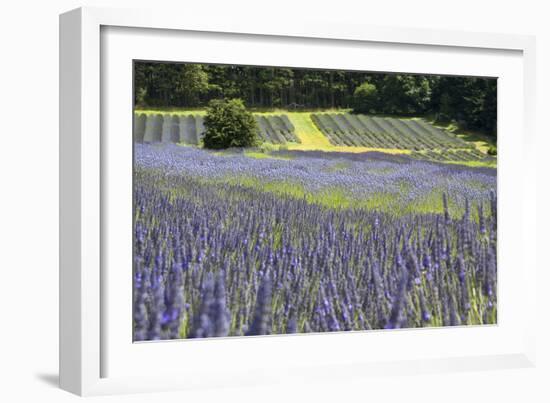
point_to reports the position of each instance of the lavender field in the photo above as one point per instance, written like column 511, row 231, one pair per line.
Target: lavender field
column 230, row 245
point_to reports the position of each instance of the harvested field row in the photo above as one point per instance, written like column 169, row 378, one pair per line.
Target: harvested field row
column 189, row 129
column 346, row 129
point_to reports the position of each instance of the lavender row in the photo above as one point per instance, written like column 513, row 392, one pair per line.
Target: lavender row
column 224, row 259
column 215, row 260
column 360, row 176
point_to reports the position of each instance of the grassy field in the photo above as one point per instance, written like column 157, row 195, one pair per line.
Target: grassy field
column 311, row 138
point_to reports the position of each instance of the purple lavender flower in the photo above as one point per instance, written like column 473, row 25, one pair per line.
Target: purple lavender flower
column 216, row 254
column 262, row 314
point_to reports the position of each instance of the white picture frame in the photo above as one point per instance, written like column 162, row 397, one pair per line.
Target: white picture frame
column 92, row 352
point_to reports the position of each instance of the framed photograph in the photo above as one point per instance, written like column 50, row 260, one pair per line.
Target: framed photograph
column 245, row 204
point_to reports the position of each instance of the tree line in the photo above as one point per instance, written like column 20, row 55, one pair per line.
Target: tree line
column 469, row 101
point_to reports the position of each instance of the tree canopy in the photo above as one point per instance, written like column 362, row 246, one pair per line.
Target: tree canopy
column 229, row 124
column 365, row 98
column 470, row 101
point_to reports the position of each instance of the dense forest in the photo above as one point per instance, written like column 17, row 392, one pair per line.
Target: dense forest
column 469, row 101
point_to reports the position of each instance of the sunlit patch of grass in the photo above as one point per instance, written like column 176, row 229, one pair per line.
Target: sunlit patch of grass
column 171, row 111
column 333, row 197
column 310, row 136
column 432, row 203
column 330, row 198
column 427, row 204
column 261, row 155
column 382, row 202
column 474, row 164
column 348, row 149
